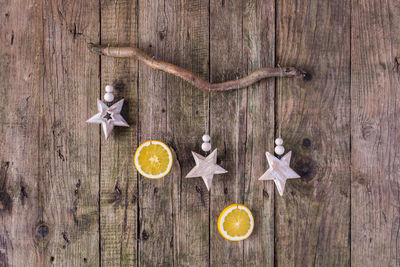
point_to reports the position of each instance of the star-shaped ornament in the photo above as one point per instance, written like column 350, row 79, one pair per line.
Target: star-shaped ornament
column 205, row 168
column 108, row 117
column 279, row 171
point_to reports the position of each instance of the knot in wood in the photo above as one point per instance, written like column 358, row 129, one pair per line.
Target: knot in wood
column 305, row 167
column 42, row 231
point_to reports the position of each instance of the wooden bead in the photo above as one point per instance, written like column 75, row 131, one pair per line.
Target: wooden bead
column 108, row 97
column 279, row 150
column 278, row 141
column 206, row 147
column 206, row 138
column 109, row 88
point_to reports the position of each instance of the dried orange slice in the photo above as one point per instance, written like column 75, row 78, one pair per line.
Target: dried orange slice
column 153, row 159
column 236, row 222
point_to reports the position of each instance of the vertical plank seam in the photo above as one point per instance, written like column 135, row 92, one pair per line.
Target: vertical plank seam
column 275, row 261
column 243, row 174
column 209, row 127
column 170, row 140
column 40, row 124
column 350, row 128
column 99, row 194
column 138, row 141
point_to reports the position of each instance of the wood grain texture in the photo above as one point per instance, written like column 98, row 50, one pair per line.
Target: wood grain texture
column 156, row 201
column 187, row 115
column 226, row 124
column 238, row 46
column 21, row 79
column 118, row 180
column 70, row 198
column 375, row 88
column 259, row 50
column 69, row 152
column 312, row 218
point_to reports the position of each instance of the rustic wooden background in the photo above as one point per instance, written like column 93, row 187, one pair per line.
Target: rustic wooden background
column 70, row 198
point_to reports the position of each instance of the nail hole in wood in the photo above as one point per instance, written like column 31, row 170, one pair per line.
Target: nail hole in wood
column 307, row 77
column 65, row 237
column 134, row 198
column 265, row 194
column 306, row 142
column 23, row 194
column 145, row 236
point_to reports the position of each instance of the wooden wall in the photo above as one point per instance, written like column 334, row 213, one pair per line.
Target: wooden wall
column 68, row 197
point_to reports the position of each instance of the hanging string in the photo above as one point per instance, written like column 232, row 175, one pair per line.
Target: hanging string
column 116, row 29
column 280, row 102
column 206, row 145
column 209, row 111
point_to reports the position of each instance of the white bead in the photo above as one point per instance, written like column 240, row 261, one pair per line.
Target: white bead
column 206, row 147
column 206, row 138
column 108, row 97
column 279, row 150
column 109, row 88
column 278, row 141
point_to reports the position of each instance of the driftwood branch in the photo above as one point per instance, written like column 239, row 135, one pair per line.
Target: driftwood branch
column 190, row 77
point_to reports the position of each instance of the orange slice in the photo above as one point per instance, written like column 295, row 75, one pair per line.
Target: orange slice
column 236, row 222
column 153, row 159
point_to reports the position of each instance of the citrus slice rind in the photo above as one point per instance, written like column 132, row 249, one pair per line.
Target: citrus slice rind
column 240, row 213
column 153, row 159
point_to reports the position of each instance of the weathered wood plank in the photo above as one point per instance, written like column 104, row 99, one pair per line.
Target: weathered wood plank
column 187, row 116
column 375, row 88
column 312, row 218
column 50, row 168
column 118, row 182
column 68, row 149
column 157, row 197
column 227, row 117
column 20, row 84
column 259, row 51
column 246, row 138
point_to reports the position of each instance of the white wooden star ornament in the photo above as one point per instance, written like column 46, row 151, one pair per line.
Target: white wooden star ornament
column 206, row 167
column 279, row 171
column 109, row 117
